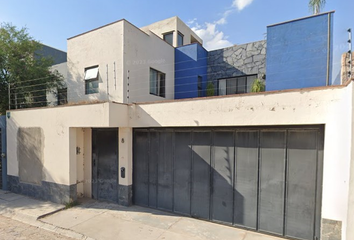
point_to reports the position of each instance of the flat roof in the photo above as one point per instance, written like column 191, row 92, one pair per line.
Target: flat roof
column 298, row 19
column 96, row 28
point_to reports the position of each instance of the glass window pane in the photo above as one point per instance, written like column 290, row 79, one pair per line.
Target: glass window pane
column 222, row 87
column 231, row 86
column 168, row 38
column 62, row 96
column 153, row 81
column 250, row 80
column 241, row 85
column 162, row 84
column 91, row 86
column 179, row 40
column 91, row 73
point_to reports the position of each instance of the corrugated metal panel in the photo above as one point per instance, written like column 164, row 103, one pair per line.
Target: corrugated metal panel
column 263, row 179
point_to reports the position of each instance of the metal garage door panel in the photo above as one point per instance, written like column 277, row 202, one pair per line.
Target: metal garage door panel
column 272, row 174
column 201, row 175
column 153, row 159
column 246, row 179
column 182, row 172
column 141, row 168
column 222, row 177
column 301, row 188
column 165, row 172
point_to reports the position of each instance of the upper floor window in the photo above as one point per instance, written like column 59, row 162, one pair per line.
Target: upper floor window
column 62, row 96
column 168, row 37
column 179, row 39
column 235, row 85
column 91, row 80
column 157, row 83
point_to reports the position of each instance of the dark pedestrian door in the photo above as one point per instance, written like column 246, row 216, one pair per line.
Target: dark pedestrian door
column 105, row 164
column 268, row 180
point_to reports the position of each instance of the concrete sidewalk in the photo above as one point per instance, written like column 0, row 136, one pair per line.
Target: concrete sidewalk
column 99, row 220
column 29, row 211
column 24, row 208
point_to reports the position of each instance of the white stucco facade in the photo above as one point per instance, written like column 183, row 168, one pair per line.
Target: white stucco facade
column 69, row 127
column 124, row 55
column 173, row 25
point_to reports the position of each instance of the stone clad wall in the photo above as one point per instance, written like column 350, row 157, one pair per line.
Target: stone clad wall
column 245, row 59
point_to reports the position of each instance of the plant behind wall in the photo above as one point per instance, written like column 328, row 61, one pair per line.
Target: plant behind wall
column 258, row 86
column 210, row 89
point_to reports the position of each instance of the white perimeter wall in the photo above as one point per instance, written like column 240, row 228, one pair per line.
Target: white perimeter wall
column 331, row 106
column 63, row 129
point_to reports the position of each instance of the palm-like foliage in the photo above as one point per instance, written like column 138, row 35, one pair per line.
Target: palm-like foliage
column 316, row 5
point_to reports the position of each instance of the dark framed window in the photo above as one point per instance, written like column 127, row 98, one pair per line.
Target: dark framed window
column 235, row 85
column 168, row 37
column 179, row 39
column 157, row 82
column 91, row 80
column 62, row 96
column 200, row 86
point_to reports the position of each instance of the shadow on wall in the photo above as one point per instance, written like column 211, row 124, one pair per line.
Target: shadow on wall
column 33, row 178
column 182, row 172
column 30, row 146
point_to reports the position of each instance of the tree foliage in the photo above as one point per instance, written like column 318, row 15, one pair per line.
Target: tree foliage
column 258, row 86
column 316, row 5
column 210, row 89
column 24, row 70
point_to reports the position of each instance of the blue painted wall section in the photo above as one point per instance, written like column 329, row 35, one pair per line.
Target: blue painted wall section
column 190, row 62
column 299, row 53
column 3, row 175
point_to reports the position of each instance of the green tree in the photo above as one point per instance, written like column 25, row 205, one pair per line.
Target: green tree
column 316, row 5
column 258, row 86
column 25, row 75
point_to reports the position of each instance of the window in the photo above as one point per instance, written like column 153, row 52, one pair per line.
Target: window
column 235, row 85
column 157, row 83
column 168, row 37
column 62, row 96
column 200, row 86
column 91, row 80
column 179, row 39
